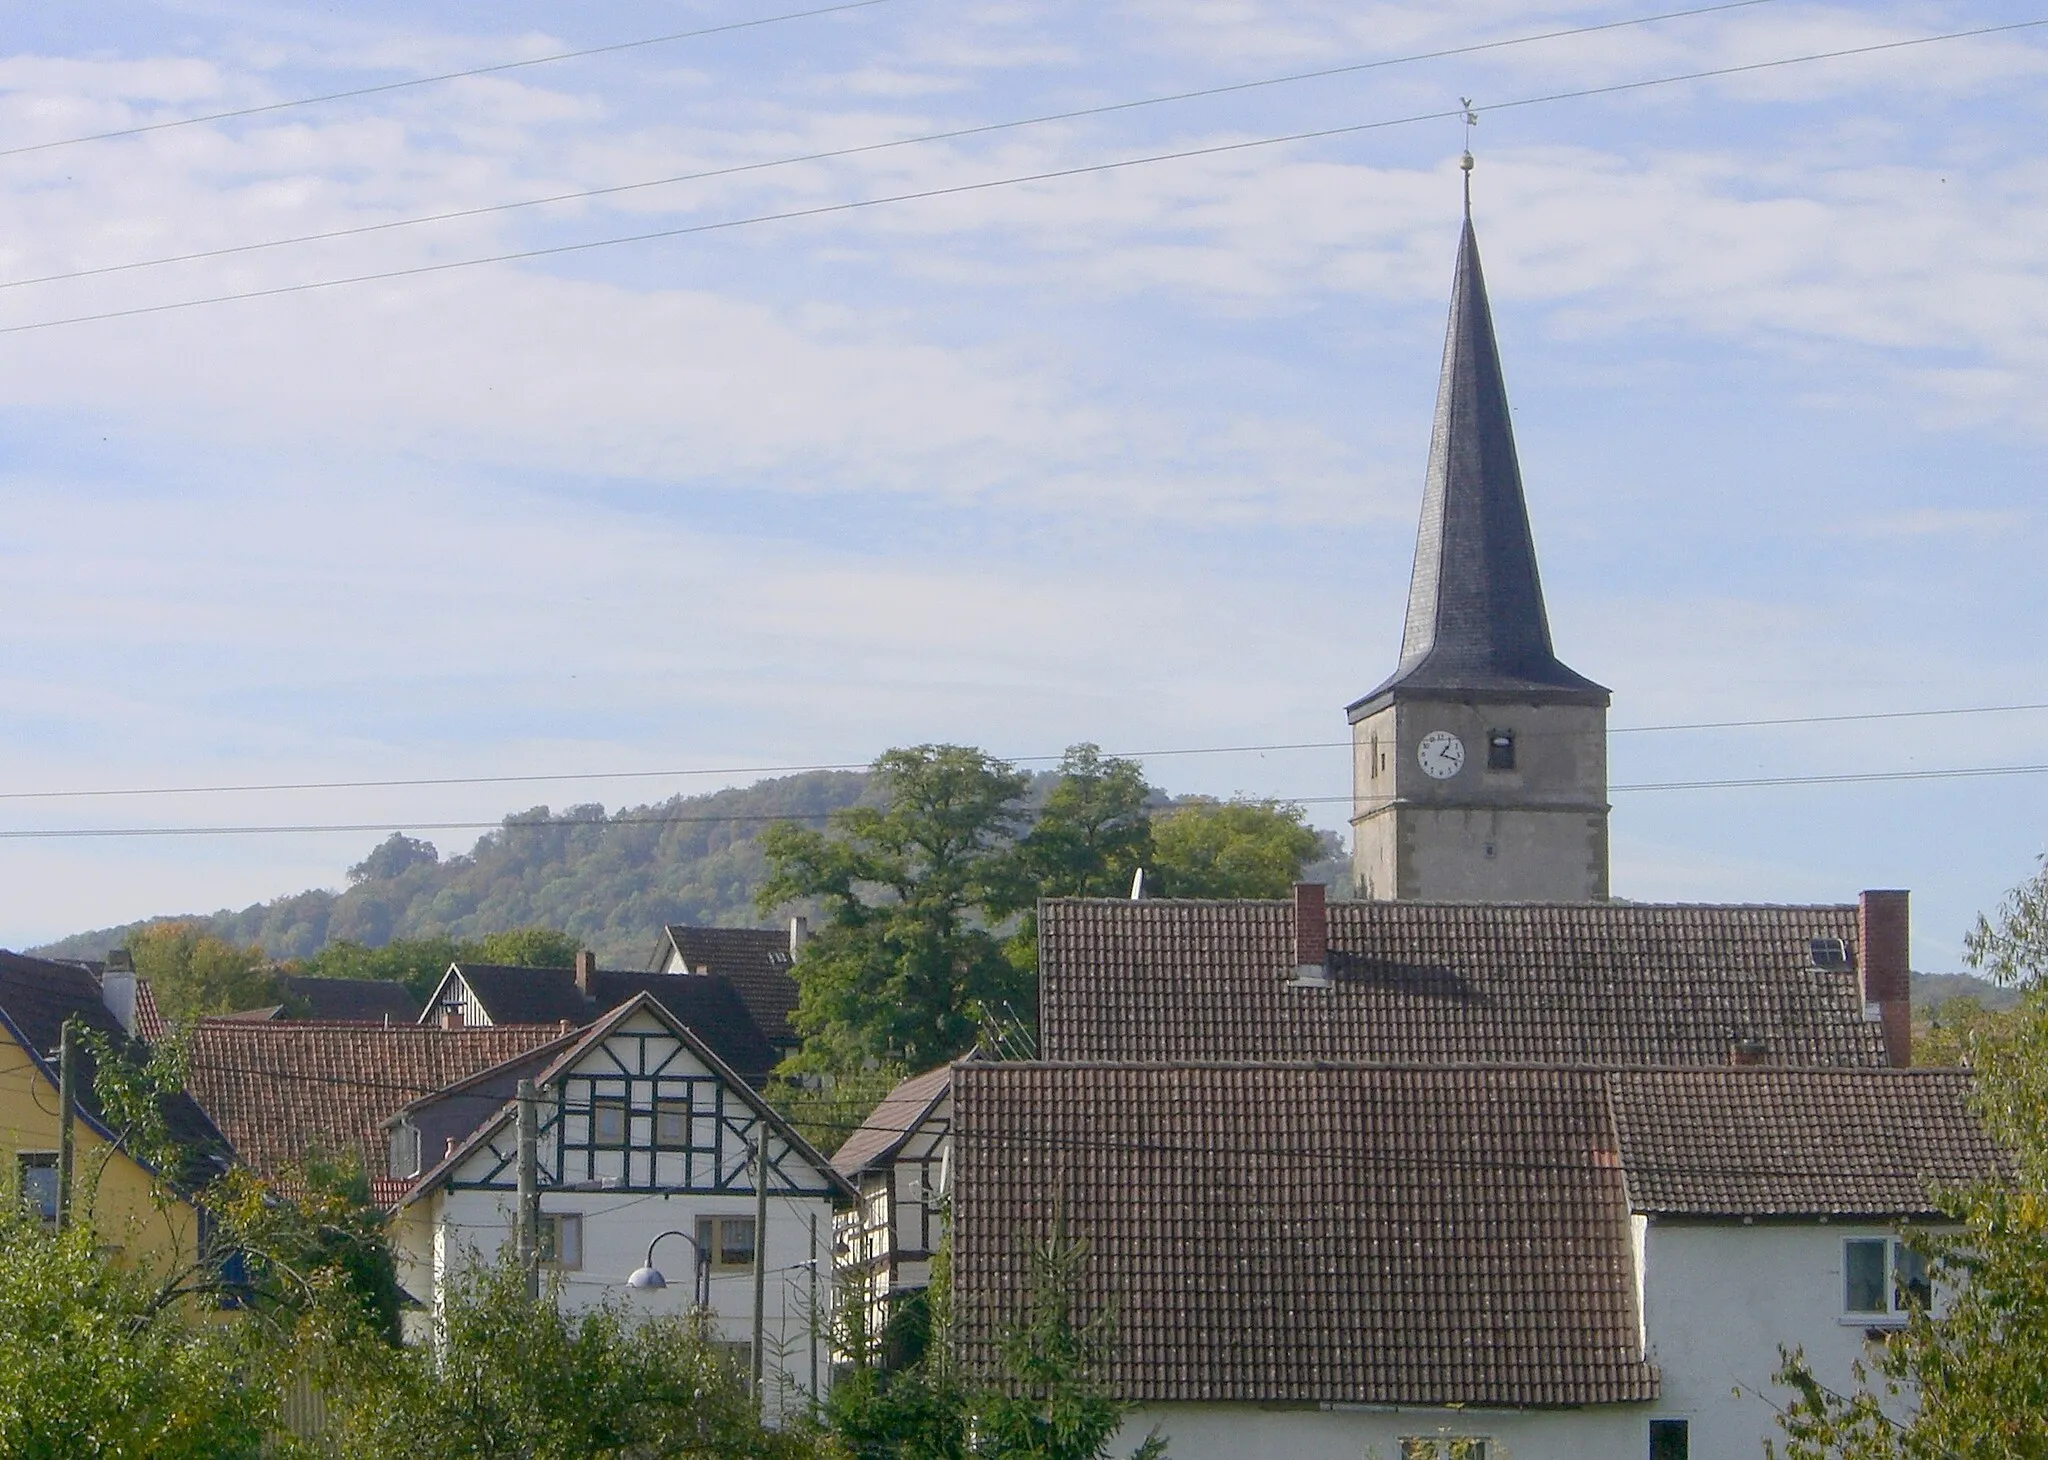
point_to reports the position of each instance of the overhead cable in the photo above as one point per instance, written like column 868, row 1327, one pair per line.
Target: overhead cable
column 822, row 210
column 585, row 194
column 416, row 81
column 782, row 770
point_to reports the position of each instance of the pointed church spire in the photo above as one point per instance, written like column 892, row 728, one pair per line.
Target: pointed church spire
column 1475, row 604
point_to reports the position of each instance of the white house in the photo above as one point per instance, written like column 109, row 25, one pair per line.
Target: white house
column 897, row 1160
column 645, row 1141
column 1322, row 1262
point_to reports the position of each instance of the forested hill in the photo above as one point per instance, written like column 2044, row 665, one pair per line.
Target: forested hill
column 610, row 880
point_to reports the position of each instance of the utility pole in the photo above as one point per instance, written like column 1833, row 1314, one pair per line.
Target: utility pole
column 67, row 1103
column 814, row 1306
column 529, row 1190
column 760, row 1251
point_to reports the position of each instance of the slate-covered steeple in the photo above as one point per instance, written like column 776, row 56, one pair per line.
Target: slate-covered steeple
column 1475, row 603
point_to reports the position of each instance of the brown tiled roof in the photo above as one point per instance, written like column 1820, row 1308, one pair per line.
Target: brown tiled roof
column 755, row 959
column 1797, row 1142
column 1581, row 983
column 1310, row 1234
column 281, row 1088
column 891, row 1122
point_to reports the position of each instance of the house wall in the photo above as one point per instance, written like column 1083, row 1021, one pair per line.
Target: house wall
column 111, row 1190
column 1252, row 1432
column 453, row 1229
column 1719, row 1299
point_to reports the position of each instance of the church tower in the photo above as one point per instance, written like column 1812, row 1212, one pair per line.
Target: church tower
column 1479, row 768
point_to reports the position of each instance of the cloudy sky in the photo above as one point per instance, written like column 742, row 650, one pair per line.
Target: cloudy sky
column 1130, row 455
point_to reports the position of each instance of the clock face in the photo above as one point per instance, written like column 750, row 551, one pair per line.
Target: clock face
column 1442, row 755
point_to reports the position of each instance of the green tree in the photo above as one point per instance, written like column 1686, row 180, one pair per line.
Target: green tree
column 1046, row 1401
column 1237, row 848
column 419, row 963
column 1090, row 836
column 906, row 963
column 528, row 948
column 1092, row 832
column 1973, row 1379
column 2013, row 947
column 98, row 1363
column 506, row 1377
column 192, row 972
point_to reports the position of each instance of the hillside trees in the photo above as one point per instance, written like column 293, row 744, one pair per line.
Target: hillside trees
column 1239, row 848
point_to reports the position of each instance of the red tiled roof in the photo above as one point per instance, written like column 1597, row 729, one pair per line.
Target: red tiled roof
column 1577, row 983
column 280, row 1089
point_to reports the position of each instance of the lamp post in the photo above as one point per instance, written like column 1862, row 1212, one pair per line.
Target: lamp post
column 647, row 1276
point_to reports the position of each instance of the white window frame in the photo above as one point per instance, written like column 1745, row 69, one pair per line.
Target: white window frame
column 1898, row 1260
column 708, row 1227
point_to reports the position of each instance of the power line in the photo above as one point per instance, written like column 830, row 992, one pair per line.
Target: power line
column 767, row 770
column 388, row 86
column 955, row 134
column 553, row 823
column 958, row 189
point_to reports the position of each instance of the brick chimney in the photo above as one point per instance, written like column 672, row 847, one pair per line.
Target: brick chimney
column 586, row 972
column 1884, row 936
column 1311, row 936
column 451, row 1016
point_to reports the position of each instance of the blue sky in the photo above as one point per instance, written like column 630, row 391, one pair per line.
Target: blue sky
column 1131, row 457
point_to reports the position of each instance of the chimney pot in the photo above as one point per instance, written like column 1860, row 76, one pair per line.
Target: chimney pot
column 586, row 971
column 1311, row 934
column 1885, row 935
column 117, row 989
column 451, row 1018
column 120, row 960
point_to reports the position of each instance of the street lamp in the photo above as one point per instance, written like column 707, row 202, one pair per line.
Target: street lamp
column 648, row 1276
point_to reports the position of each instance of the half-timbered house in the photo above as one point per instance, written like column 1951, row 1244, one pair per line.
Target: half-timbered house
column 646, row 1142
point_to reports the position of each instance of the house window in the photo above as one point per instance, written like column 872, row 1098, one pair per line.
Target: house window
column 727, row 1243
column 38, row 1177
column 608, row 1122
column 561, row 1240
column 1882, row 1278
column 672, row 1124
column 1445, row 1447
column 1670, row 1439
column 1500, row 750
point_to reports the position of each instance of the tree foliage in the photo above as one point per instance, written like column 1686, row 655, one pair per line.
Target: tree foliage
column 2012, row 948
column 96, row 1363
column 505, row 1377
column 193, row 972
column 905, row 964
column 1971, row 1379
column 1238, row 848
column 1047, row 1400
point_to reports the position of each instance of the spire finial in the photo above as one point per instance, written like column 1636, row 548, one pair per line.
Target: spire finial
column 1465, row 162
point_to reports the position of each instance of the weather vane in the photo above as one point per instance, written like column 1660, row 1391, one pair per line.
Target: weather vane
column 1465, row 162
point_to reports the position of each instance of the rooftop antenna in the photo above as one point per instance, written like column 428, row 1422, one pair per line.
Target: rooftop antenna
column 1465, row 162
